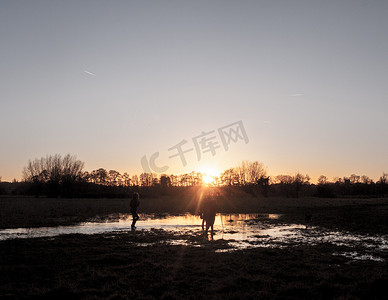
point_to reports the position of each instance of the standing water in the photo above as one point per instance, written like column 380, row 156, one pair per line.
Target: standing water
column 241, row 231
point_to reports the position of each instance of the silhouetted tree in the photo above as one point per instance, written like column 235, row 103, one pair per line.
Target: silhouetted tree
column 298, row 181
column 354, row 179
column 85, row 176
column 54, row 171
column 135, row 180
column 229, row 177
column 256, row 171
column 283, row 179
column 323, row 179
column 263, row 183
column 198, row 179
column 174, row 180
column 337, row 180
column 249, row 172
column 99, row 176
column 185, row 180
column 155, row 181
column 146, row 179
column 126, row 179
column 383, row 184
column 113, row 177
column 366, row 180
column 325, row 188
column 165, row 181
column 291, row 185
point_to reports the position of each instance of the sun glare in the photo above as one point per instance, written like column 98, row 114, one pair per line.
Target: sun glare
column 209, row 175
column 207, row 179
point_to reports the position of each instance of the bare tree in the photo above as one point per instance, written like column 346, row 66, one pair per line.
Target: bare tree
column 229, row 177
column 71, row 168
column 126, row 179
column 135, row 180
column 256, row 171
column 250, row 172
column 283, row 179
column 99, row 176
column 337, row 180
column 384, row 178
column 242, row 172
column 147, row 179
column 354, row 179
column 383, row 184
column 174, row 180
column 185, row 179
column 56, row 173
column 366, row 180
column 165, row 181
column 53, row 169
column 86, row 176
column 114, row 177
column 323, row 179
column 299, row 180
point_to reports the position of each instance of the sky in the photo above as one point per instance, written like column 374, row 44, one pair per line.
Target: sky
column 115, row 81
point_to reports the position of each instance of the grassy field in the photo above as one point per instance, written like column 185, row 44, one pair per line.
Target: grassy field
column 143, row 265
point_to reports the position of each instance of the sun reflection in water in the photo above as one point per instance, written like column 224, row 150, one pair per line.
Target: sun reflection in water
column 232, row 232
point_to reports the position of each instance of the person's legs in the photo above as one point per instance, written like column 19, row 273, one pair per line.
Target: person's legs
column 135, row 217
column 204, row 219
column 211, row 223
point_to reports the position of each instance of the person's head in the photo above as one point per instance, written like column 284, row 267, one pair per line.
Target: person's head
column 135, row 196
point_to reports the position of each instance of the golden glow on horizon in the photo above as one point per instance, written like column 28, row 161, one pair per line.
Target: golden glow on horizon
column 209, row 174
column 207, row 179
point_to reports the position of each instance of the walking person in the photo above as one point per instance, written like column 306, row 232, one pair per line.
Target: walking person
column 134, row 204
column 208, row 212
column 202, row 213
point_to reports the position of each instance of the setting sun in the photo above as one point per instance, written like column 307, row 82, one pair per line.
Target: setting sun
column 207, row 179
column 209, row 175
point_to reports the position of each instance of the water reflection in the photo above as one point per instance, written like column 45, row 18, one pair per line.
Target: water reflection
column 122, row 222
column 238, row 231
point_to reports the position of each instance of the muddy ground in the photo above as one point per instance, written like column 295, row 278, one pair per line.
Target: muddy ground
column 147, row 265
column 123, row 266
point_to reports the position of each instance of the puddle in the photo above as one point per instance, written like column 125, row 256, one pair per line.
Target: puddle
column 117, row 223
column 356, row 256
column 238, row 231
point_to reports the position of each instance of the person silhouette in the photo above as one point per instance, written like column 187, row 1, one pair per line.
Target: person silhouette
column 209, row 212
column 134, row 204
column 202, row 213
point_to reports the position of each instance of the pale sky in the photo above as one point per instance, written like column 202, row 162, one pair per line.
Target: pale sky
column 111, row 81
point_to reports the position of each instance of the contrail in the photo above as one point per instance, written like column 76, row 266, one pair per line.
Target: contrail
column 90, row 73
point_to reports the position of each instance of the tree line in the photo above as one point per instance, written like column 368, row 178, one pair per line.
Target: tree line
column 57, row 176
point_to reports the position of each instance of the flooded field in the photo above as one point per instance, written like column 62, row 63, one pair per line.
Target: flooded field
column 237, row 231
column 168, row 256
